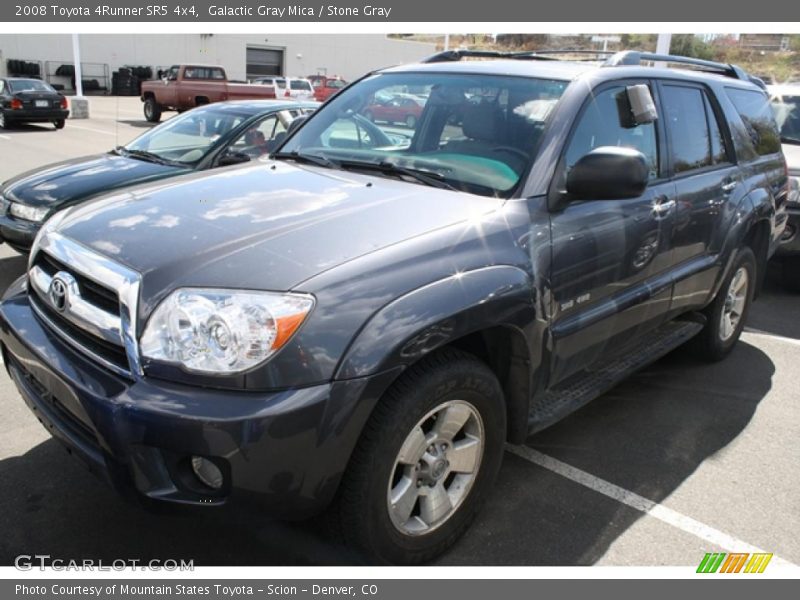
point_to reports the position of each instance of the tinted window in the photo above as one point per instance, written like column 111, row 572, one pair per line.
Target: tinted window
column 787, row 114
column 298, row 84
column 719, row 153
column 600, row 125
column 757, row 115
column 29, row 85
column 690, row 141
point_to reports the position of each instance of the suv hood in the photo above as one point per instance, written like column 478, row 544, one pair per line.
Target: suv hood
column 268, row 226
column 80, row 178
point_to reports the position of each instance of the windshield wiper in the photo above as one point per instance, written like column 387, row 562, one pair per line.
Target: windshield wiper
column 314, row 159
column 144, row 155
column 424, row 176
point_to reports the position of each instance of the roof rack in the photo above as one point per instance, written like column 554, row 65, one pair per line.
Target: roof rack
column 456, row 55
column 633, row 57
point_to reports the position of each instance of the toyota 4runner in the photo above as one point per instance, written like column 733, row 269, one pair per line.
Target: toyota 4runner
column 360, row 324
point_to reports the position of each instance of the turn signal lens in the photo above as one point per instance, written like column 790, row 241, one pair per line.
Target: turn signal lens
column 16, row 104
column 64, row 103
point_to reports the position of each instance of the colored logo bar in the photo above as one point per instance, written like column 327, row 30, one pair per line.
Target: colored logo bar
column 721, row 562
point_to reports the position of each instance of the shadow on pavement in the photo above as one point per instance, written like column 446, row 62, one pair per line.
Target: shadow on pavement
column 648, row 435
column 777, row 310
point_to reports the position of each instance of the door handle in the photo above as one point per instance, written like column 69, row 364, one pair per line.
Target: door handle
column 729, row 186
column 663, row 205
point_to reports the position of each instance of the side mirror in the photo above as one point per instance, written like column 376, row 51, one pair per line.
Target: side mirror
column 296, row 123
column 231, row 157
column 608, row 173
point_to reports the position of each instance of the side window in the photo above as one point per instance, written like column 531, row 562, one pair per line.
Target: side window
column 685, row 112
column 754, row 109
column 217, row 74
column 719, row 151
column 173, row 74
column 600, row 125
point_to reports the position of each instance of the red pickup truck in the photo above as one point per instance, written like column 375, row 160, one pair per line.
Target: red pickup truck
column 185, row 86
column 325, row 87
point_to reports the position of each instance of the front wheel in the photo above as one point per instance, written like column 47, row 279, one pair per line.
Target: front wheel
column 152, row 110
column 727, row 313
column 426, row 461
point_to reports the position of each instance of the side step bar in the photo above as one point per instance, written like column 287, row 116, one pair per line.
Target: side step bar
column 560, row 401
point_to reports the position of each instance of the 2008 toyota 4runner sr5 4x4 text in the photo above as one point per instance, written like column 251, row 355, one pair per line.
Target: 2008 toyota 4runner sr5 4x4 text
column 360, row 324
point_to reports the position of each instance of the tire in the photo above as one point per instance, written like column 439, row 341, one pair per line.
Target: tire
column 411, row 121
column 790, row 274
column 449, row 385
column 733, row 300
column 152, row 110
column 59, row 123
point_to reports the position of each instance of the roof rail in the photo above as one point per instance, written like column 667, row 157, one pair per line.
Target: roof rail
column 456, row 55
column 632, row 57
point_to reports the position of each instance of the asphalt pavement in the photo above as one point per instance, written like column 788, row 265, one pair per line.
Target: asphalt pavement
column 681, row 459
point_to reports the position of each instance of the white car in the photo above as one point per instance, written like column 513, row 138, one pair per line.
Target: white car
column 289, row 87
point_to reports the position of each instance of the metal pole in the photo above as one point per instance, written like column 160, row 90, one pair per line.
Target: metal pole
column 447, row 41
column 663, row 43
column 76, row 54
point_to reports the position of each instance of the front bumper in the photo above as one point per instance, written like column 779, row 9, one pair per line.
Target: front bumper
column 42, row 115
column 18, row 233
column 283, row 451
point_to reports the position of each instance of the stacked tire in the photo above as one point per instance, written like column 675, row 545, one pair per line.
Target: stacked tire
column 22, row 68
column 127, row 81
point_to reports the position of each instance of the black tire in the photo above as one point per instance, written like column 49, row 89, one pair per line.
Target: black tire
column 790, row 274
column 59, row 123
column 711, row 344
column 152, row 110
column 411, row 121
column 361, row 512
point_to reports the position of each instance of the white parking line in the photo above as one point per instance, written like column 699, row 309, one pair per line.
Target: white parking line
column 640, row 503
column 772, row 336
column 71, row 126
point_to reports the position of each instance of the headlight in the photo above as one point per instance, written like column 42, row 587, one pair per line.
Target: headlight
column 222, row 331
column 28, row 213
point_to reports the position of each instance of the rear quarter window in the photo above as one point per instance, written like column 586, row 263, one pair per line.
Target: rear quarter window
column 754, row 109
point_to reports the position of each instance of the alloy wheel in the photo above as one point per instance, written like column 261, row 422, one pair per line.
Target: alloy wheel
column 735, row 302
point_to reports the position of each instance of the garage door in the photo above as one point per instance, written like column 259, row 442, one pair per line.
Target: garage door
column 264, row 61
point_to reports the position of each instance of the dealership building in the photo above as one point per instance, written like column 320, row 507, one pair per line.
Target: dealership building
column 244, row 56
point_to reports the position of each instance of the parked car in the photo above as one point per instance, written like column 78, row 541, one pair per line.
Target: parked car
column 396, row 108
column 325, row 87
column 24, row 100
column 361, row 327
column 186, row 86
column 288, row 87
column 203, row 138
column 786, row 105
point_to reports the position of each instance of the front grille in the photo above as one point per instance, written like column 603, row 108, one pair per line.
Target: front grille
column 95, row 345
column 92, row 291
column 96, row 318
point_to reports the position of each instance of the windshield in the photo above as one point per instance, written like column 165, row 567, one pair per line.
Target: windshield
column 187, row 138
column 476, row 133
column 787, row 115
column 29, row 85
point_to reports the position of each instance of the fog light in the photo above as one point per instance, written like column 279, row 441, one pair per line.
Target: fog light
column 207, row 472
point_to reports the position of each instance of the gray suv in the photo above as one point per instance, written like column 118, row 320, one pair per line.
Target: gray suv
column 359, row 325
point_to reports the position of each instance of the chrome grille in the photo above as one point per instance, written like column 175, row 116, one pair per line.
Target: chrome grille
column 88, row 300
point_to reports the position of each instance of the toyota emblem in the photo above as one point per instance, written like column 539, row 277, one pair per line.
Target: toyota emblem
column 58, row 293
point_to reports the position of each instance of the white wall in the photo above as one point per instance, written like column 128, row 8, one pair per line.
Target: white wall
column 348, row 56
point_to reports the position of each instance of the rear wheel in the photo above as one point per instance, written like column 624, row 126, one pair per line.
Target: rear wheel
column 426, row 461
column 790, row 274
column 152, row 110
column 727, row 313
column 59, row 123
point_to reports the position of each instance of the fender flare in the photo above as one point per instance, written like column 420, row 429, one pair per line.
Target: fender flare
column 436, row 314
